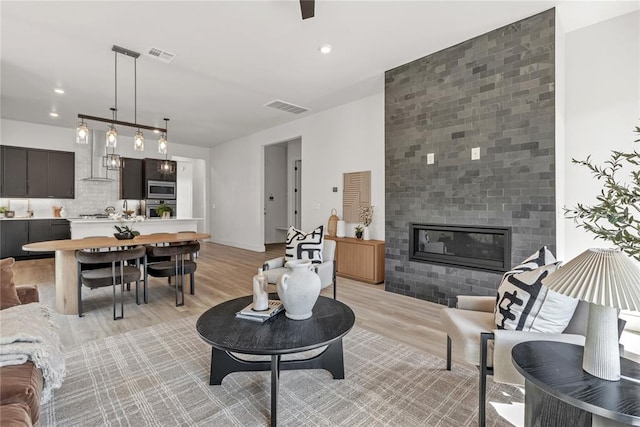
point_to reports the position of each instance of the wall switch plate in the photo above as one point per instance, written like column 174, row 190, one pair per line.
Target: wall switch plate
column 475, row 153
column 316, row 206
column 335, row 189
column 430, row 158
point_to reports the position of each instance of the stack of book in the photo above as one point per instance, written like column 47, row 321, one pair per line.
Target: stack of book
column 248, row 313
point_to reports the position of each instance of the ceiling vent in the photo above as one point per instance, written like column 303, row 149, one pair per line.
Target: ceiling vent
column 285, row 106
column 160, row 54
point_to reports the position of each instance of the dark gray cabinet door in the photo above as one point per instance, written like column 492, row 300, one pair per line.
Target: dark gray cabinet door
column 37, row 173
column 153, row 170
column 131, row 179
column 14, row 172
column 14, row 234
column 61, row 174
column 60, row 229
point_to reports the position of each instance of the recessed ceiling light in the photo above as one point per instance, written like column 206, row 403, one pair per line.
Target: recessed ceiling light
column 58, row 90
column 325, row 48
column 53, row 114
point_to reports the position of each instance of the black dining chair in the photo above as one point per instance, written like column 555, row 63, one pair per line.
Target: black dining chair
column 181, row 264
column 116, row 274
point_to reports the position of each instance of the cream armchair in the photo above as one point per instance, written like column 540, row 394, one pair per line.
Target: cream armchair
column 471, row 332
column 274, row 268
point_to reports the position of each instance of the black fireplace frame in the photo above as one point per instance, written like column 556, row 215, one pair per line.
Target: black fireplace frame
column 460, row 261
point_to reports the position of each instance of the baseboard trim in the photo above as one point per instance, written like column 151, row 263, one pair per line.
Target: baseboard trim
column 249, row 247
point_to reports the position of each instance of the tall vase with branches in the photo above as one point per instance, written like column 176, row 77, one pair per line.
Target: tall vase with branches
column 616, row 215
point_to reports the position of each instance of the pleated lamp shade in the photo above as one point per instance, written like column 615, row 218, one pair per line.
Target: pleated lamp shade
column 609, row 280
column 604, row 277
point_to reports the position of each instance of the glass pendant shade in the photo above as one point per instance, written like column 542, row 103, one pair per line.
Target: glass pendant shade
column 82, row 133
column 162, row 144
column 112, row 137
column 138, row 141
column 111, row 161
column 166, row 166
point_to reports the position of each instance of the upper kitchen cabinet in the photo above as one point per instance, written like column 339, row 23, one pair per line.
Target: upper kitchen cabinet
column 154, row 172
column 34, row 173
column 131, row 179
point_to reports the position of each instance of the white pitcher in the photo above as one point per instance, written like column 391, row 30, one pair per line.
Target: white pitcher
column 299, row 289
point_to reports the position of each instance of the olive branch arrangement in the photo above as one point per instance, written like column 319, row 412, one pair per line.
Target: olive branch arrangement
column 366, row 214
column 616, row 215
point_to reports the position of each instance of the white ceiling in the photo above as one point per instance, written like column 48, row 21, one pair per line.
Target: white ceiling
column 232, row 57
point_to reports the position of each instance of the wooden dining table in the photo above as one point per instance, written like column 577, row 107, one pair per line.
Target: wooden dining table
column 66, row 266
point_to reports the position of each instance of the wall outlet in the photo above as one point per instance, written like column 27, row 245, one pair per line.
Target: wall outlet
column 430, row 158
column 475, row 153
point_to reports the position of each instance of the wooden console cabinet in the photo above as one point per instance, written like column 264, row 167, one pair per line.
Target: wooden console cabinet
column 359, row 259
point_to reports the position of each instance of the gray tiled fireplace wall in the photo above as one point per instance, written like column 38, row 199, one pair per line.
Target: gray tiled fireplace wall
column 495, row 92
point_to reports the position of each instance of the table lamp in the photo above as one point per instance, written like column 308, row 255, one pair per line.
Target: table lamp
column 608, row 280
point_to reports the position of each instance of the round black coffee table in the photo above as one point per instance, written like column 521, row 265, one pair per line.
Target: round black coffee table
column 218, row 326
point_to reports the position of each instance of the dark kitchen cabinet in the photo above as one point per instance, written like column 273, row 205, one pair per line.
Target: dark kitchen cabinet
column 37, row 173
column 16, row 233
column 34, row 173
column 131, row 179
column 154, row 172
column 62, row 175
column 13, row 234
column 14, row 172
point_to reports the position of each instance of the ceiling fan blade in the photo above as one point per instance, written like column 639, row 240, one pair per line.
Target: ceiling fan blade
column 307, row 7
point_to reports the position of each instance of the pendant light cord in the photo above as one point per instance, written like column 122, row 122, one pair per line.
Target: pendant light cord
column 135, row 91
column 115, row 68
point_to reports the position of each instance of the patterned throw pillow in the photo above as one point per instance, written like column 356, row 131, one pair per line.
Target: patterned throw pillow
column 301, row 245
column 524, row 304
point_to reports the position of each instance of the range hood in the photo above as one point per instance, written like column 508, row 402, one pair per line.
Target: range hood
column 96, row 160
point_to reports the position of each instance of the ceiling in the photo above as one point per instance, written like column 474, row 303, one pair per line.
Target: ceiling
column 231, row 57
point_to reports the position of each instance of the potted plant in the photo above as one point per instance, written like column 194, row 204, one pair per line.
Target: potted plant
column 614, row 217
column 359, row 230
column 125, row 232
column 164, row 211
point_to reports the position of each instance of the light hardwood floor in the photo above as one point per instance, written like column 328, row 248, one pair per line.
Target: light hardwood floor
column 223, row 273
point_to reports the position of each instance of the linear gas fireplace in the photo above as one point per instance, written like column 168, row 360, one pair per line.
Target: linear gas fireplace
column 477, row 247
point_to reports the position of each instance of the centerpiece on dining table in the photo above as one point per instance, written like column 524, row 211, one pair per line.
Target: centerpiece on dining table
column 125, row 231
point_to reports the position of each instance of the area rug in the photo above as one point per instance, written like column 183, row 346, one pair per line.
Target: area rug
column 158, row 376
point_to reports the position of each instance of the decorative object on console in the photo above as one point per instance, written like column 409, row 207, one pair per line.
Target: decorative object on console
column 340, row 229
column 299, row 289
column 304, row 246
column 608, row 280
column 366, row 216
column 332, row 224
column 359, row 230
column 112, row 160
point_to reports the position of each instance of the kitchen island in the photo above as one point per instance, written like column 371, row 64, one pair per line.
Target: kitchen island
column 81, row 228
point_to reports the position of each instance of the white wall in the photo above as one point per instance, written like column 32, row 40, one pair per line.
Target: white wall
column 602, row 109
column 347, row 138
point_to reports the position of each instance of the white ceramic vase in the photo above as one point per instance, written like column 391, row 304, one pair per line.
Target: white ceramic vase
column 299, row 289
column 340, row 229
column 366, row 234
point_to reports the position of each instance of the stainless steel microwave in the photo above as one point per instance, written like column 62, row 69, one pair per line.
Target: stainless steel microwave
column 165, row 190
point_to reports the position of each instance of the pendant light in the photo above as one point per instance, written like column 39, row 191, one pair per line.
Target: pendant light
column 166, row 166
column 111, row 160
column 82, row 133
column 112, row 133
column 138, row 137
column 163, row 145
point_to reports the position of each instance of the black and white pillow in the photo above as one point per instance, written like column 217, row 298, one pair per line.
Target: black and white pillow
column 520, row 296
column 525, row 304
column 301, row 245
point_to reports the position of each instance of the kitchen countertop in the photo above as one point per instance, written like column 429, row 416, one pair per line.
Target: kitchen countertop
column 23, row 218
column 103, row 220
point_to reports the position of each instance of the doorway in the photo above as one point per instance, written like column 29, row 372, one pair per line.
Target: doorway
column 282, row 189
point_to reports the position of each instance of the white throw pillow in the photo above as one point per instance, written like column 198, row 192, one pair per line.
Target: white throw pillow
column 301, row 245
